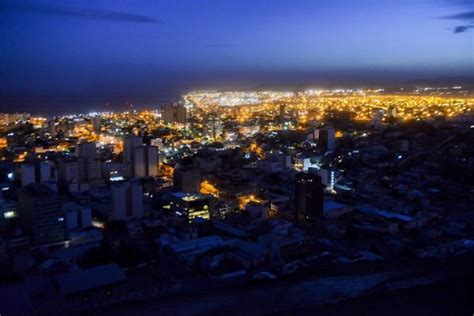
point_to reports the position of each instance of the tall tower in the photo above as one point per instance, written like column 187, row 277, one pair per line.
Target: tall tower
column 129, row 143
column 86, row 150
column 145, row 161
column 89, row 166
column 174, row 113
column 127, row 200
column 326, row 137
column 309, row 197
column 41, row 214
column 96, row 124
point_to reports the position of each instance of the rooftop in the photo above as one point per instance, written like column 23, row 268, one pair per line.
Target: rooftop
column 89, row 279
column 189, row 196
column 330, row 205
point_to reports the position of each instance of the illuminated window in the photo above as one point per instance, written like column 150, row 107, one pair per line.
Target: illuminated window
column 9, row 214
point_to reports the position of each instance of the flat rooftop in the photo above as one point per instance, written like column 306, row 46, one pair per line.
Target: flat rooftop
column 189, row 196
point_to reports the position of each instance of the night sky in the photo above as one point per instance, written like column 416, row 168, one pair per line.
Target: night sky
column 63, row 56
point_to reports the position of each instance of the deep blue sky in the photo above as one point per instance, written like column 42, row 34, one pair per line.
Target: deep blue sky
column 56, row 54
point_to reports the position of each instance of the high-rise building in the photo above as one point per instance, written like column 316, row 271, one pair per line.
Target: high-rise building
column 187, row 179
column 129, row 143
column 77, row 216
column 40, row 172
column 158, row 142
column 145, row 161
column 339, row 118
column 127, row 200
column 328, row 177
column 392, row 112
column 309, row 197
column 89, row 169
column 174, row 113
column 213, row 127
column 114, row 171
column 377, row 115
column 282, row 111
column 8, row 118
column 89, row 165
column 69, row 171
column 53, row 129
column 41, row 214
column 47, row 171
column 326, row 138
column 96, row 124
column 27, row 174
column 86, row 150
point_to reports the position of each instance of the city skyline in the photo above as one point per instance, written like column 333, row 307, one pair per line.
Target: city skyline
column 236, row 157
column 225, row 198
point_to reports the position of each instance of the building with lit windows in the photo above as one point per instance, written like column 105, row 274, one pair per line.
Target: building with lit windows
column 41, row 214
column 339, row 118
column 213, row 127
column 96, row 124
column 174, row 113
column 191, row 205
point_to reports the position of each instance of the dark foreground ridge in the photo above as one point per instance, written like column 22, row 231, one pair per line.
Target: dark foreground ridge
column 441, row 287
